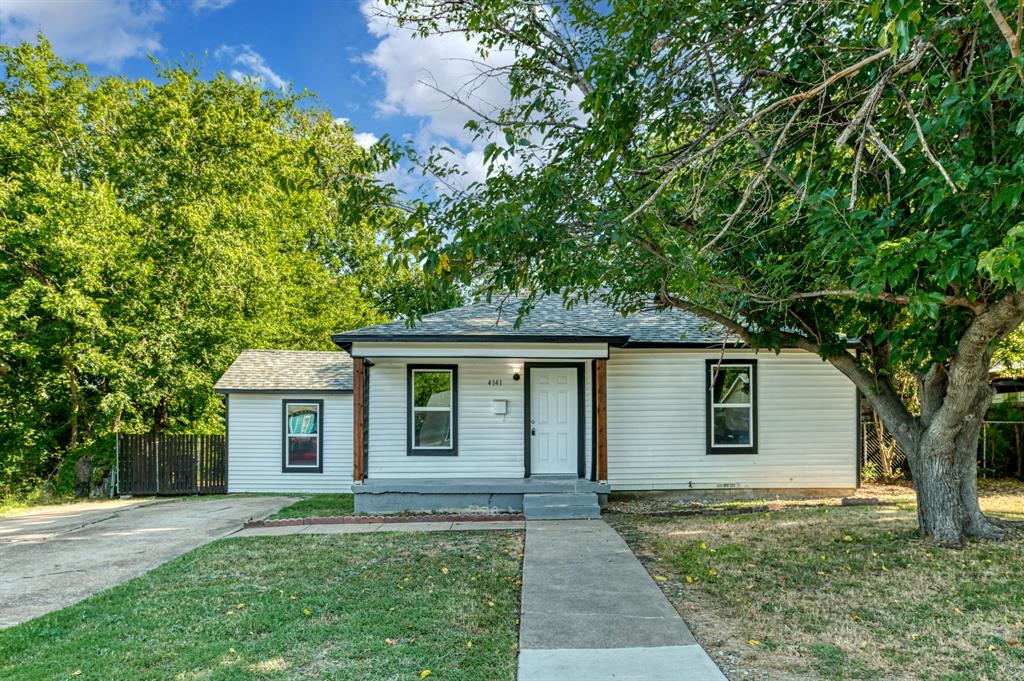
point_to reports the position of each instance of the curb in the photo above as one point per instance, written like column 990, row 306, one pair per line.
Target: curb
column 379, row 519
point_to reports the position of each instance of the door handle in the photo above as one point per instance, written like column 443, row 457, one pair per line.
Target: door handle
column 533, row 431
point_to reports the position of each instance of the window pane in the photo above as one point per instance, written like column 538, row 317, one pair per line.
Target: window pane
column 432, row 429
column 302, row 450
column 432, row 388
column 732, row 426
column 731, row 385
column 302, row 419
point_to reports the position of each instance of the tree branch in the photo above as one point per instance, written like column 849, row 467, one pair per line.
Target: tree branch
column 969, row 366
column 668, row 300
column 924, row 142
column 677, row 164
column 1012, row 38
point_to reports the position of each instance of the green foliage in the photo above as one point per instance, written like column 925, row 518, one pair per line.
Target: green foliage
column 1010, row 353
column 149, row 230
column 705, row 150
column 870, row 472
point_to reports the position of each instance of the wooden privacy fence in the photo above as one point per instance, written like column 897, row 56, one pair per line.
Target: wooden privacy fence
column 171, row 464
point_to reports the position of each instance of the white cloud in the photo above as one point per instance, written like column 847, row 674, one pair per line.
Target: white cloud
column 420, row 73
column 366, row 139
column 95, row 31
column 250, row 64
column 212, row 5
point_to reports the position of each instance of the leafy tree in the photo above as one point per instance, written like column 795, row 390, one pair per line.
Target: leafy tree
column 149, row 230
column 801, row 173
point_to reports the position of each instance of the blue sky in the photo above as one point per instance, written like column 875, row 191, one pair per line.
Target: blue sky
column 361, row 67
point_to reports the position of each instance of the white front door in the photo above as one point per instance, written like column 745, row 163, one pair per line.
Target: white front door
column 554, row 421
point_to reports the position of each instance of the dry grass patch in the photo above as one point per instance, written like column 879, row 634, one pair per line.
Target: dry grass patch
column 842, row 592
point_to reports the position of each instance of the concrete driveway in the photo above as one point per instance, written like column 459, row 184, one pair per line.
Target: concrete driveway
column 59, row 555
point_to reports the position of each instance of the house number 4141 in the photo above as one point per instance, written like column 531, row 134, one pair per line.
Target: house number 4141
column 494, row 381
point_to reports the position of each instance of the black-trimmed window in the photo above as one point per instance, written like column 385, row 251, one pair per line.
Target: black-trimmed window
column 433, row 409
column 731, row 398
column 303, row 443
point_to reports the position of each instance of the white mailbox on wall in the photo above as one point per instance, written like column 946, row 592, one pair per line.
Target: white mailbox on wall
column 499, row 407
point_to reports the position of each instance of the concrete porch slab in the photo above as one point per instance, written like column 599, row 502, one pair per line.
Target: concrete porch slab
column 467, row 495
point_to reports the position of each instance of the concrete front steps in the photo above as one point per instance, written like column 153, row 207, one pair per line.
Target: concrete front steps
column 561, row 506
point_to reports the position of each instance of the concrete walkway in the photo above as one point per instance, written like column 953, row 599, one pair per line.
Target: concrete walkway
column 359, row 528
column 592, row 612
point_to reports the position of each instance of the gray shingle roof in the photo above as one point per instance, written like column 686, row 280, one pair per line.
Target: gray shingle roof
column 549, row 319
column 287, row 370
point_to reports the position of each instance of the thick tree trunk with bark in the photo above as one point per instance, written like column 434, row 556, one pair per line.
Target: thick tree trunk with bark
column 945, row 480
column 942, row 450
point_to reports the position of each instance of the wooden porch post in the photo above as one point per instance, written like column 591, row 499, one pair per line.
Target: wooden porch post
column 358, row 399
column 601, row 420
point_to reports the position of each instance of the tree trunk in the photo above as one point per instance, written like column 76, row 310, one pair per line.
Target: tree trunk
column 76, row 406
column 161, row 415
column 944, row 464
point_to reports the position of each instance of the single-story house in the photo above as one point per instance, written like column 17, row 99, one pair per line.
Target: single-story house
column 467, row 410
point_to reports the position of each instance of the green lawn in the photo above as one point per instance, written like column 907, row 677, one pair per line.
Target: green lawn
column 369, row 606
column 842, row 592
column 316, row 506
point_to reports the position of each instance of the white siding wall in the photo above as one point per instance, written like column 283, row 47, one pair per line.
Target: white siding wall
column 254, row 445
column 656, row 423
column 489, row 445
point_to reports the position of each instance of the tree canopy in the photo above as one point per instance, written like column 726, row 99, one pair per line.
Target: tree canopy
column 149, row 230
column 803, row 173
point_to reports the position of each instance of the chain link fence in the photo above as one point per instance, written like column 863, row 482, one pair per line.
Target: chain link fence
column 1000, row 452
